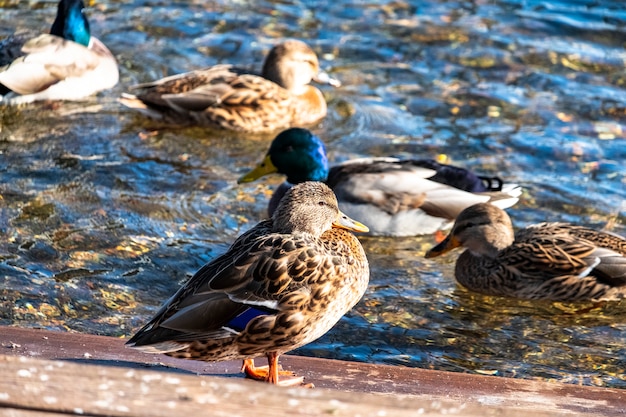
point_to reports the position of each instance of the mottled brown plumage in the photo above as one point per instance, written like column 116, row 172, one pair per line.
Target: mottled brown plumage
column 232, row 98
column 281, row 285
column 549, row 261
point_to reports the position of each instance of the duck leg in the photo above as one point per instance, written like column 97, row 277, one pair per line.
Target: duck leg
column 439, row 236
column 252, row 371
column 270, row 373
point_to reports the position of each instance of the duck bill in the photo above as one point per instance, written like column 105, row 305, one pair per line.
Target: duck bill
column 323, row 78
column 449, row 243
column 266, row 167
column 345, row 222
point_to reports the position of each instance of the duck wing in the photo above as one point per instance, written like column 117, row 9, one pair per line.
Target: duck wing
column 47, row 60
column 193, row 301
column 610, row 249
column 11, row 47
column 200, row 89
column 394, row 185
column 217, row 76
column 248, row 280
column 247, row 93
column 224, row 95
column 458, row 177
column 549, row 250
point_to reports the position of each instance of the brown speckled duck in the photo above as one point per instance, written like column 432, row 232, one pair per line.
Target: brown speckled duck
column 545, row 261
column 232, row 98
column 281, row 285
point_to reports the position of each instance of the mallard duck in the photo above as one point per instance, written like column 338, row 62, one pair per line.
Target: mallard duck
column 281, row 285
column 67, row 64
column 233, row 98
column 545, row 261
column 393, row 197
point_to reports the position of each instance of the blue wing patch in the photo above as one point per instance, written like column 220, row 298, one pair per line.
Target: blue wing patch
column 240, row 322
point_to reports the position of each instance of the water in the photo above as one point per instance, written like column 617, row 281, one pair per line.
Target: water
column 104, row 214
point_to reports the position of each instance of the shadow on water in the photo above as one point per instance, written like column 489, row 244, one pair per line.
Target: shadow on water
column 104, row 214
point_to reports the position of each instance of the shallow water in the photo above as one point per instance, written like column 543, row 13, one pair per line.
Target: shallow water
column 104, row 214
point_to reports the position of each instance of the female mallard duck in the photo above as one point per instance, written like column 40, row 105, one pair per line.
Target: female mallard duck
column 393, row 197
column 67, row 64
column 233, row 98
column 281, row 285
column 546, row 261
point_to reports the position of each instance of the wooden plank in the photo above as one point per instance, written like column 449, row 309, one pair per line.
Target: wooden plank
column 28, row 413
column 90, row 362
column 65, row 387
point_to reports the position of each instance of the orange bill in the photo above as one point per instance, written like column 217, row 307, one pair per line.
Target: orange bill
column 446, row 245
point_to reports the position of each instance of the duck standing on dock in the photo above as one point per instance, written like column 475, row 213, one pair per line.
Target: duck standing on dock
column 67, row 64
column 545, row 261
column 393, row 197
column 233, row 98
column 281, row 285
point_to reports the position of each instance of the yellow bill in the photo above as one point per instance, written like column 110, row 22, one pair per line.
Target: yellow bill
column 266, row 167
column 345, row 222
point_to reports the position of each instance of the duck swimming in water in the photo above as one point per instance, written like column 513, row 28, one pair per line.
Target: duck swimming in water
column 233, row 98
column 393, row 197
column 67, row 64
column 545, row 261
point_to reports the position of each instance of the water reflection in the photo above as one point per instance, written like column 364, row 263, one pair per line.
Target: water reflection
column 104, row 213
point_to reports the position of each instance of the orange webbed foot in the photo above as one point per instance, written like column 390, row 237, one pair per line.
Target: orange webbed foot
column 439, row 236
column 271, row 373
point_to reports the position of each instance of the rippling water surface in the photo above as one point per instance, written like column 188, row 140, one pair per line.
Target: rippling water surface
column 103, row 214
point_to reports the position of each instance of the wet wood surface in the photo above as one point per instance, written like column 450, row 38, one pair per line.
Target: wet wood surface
column 55, row 373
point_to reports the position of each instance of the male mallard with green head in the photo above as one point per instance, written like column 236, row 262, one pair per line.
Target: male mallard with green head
column 393, row 197
column 67, row 64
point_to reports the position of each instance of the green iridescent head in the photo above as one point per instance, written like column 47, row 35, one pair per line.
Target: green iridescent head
column 296, row 153
column 71, row 23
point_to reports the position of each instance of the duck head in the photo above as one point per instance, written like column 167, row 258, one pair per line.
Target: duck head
column 483, row 229
column 293, row 65
column 296, row 153
column 311, row 207
column 71, row 23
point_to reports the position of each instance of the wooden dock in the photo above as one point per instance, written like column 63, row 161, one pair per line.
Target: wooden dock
column 51, row 374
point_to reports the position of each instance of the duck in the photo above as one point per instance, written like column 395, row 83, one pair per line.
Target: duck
column 545, row 261
column 282, row 284
column 394, row 197
column 232, row 98
column 66, row 64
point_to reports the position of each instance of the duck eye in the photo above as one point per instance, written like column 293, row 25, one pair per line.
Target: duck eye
column 321, row 203
column 462, row 227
